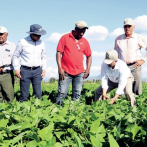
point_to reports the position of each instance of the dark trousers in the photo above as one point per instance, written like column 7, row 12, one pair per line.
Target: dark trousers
column 30, row 76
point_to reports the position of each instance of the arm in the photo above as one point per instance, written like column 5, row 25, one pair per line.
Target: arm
column 60, row 70
column 15, row 59
column 43, row 57
column 88, row 64
column 142, row 44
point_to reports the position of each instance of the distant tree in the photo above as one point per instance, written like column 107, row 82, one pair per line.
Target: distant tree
column 52, row 80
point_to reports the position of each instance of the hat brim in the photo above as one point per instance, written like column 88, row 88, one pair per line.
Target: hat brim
column 43, row 32
column 128, row 24
column 108, row 61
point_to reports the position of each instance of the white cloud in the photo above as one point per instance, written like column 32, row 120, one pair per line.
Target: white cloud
column 54, row 37
column 141, row 23
column 96, row 33
column 51, row 72
column 117, row 32
column 98, row 54
column 95, row 70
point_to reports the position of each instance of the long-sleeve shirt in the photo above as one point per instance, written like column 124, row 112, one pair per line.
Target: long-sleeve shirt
column 129, row 50
column 6, row 53
column 119, row 75
column 29, row 53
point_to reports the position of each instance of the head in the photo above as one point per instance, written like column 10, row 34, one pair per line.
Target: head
column 3, row 35
column 80, row 29
column 128, row 27
column 111, row 58
column 36, row 31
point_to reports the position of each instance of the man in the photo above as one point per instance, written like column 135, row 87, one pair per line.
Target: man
column 6, row 70
column 70, row 51
column 115, row 74
column 129, row 47
column 29, row 61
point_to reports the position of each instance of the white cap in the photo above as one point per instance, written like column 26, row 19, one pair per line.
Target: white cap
column 128, row 21
column 111, row 55
column 81, row 24
column 3, row 30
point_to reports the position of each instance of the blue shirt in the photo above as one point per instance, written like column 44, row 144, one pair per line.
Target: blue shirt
column 29, row 53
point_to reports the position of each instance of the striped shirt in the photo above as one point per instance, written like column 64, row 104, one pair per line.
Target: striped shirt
column 129, row 50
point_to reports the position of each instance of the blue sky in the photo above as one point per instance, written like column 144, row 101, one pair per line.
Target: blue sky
column 104, row 18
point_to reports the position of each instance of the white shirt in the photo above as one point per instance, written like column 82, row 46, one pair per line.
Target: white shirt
column 129, row 50
column 6, row 53
column 119, row 75
column 29, row 53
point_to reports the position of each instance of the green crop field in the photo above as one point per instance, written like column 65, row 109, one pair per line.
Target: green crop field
column 42, row 123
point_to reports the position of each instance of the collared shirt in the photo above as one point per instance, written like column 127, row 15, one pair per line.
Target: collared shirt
column 29, row 53
column 72, row 53
column 129, row 50
column 119, row 75
column 6, row 53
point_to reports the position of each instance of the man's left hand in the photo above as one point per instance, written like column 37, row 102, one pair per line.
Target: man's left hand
column 86, row 74
column 43, row 73
column 139, row 62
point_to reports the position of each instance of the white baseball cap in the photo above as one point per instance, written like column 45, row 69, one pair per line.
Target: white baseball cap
column 3, row 30
column 111, row 55
column 81, row 24
column 128, row 21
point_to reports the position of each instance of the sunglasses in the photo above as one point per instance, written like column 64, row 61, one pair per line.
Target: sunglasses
column 1, row 34
column 127, row 26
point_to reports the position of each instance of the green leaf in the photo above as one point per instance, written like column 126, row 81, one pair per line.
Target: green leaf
column 112, row 141
column 31, row 144
column 46, row 133
column 95, row 126
column 3, row 123
column 78, row 140
column 133, row 128
column 95, row 142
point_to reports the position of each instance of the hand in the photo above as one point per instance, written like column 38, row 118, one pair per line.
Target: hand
column 17, row 72
column 139, row 62
column 112, row 101
column 105, row 97
column 43, row 73
column 61, row 74
column 86, row 74
column 1, row 70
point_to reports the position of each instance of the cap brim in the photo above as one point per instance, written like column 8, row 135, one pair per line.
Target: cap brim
column 43, row 32
column 107, row 61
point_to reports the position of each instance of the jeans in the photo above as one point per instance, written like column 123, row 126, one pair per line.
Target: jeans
column 77, row 84
column 28, row 76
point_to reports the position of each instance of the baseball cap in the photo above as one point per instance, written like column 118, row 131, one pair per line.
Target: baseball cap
column 111, row 55
column 128, row 21
column 3, row 30
column 81, row 24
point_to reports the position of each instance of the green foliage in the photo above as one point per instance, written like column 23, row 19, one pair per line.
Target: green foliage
column 42, row 123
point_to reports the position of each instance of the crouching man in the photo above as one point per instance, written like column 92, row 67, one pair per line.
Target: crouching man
column 115, row 74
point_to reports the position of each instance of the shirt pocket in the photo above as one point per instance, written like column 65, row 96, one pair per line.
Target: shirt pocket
column 7, row 56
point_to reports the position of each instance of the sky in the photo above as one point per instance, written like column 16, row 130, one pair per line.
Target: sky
column 104, row 18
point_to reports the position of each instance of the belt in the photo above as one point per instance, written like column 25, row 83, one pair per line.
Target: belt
column 31, row 68
column 5, row 72
column 131, row 64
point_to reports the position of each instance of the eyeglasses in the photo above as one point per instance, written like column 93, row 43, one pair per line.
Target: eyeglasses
column 127, row 26
column 1, row 34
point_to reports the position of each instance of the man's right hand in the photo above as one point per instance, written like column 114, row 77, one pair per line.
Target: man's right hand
column 17, row 72
column 105, row 97
column 61, row 74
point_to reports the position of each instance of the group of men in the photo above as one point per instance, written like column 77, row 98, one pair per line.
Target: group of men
column 120, row 69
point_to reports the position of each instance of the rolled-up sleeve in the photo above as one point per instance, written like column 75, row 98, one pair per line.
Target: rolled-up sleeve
column 16, row 55
column 43, row 57
column 104, row 77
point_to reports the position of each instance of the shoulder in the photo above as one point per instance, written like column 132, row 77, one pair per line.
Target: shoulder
column 120, row 37
column 85, row 40
column 122, row 64
column 10, row 43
